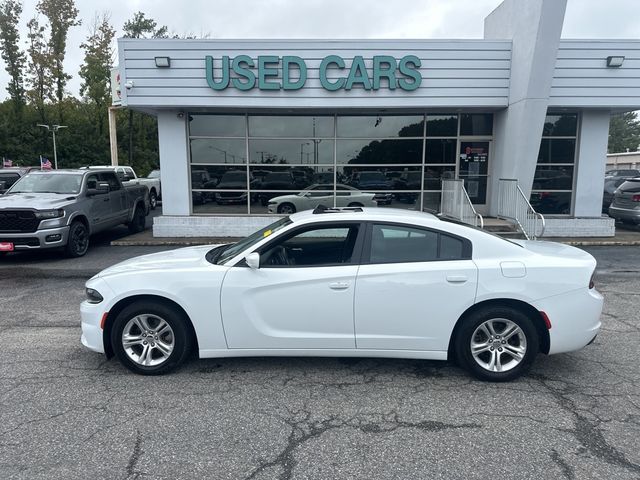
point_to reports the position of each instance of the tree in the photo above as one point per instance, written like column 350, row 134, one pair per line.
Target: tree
column 39, row 78
column 62, row 15
column 96, row 69
column 13, row 56
column 624, row 132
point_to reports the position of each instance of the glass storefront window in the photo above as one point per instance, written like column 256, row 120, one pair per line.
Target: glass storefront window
column 291, row 127
column 553, row 178
column 476, row 124
column 300, row 152
column 560, row 125
column 557, row 150
column 218, row 150
column 442, row 125
column 551, row 203
column 381, row 126
column 331, row 159
column 205, row 125
column 366, row 152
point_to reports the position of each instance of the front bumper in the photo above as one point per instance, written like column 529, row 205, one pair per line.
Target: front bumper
column 91, row 315
column 46, row 238
column 575, row 318
column 628, row 214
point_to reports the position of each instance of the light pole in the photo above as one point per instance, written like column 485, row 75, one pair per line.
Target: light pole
column 53, row 129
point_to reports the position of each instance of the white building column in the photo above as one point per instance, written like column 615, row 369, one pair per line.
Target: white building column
column 534, row 27
column 592, row 159
column 174, row 170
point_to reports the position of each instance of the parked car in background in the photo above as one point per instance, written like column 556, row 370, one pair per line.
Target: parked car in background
column 628, row 172
column 276, row 181
column 610, row 186
column 321, row 194
column 63, row 208
column 358, row 283
column 128, row 177
column 372, row 181
column 626, row 202
column 233, row 180
column 10, row 175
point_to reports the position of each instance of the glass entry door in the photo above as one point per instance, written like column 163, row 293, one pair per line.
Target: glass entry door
column 474, row 170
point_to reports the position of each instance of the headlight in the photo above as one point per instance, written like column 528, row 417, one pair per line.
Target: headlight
column 93, row 296
column 46, row 214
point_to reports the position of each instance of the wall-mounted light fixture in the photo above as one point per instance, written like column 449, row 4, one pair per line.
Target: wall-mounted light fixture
column 163, row 62
column 615, row 61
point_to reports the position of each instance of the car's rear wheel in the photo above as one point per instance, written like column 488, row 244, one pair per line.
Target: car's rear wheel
column 78, row 242
column 286, row 209
column 153, row 200
column 497, row 344
column 150, row 338
column 138, row 221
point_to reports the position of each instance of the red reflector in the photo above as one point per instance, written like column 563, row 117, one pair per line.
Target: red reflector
column 104, row 319
column 547, row 322
column 6, row 247
column 635, row 198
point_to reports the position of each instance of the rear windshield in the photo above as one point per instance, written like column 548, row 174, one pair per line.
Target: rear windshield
column 630, row 186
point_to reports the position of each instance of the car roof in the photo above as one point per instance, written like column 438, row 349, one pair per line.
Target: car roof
column 366, row 214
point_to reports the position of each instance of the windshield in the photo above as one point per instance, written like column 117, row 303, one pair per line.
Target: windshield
column 48, row 183
column 231, row 251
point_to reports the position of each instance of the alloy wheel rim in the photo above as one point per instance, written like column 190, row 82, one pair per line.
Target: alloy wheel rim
column 498, row 345
column 148, row 340
column 80, row 240
column 286, row 209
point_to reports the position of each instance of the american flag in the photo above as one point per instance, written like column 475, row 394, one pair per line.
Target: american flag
column 45, row 164
column 7, row 163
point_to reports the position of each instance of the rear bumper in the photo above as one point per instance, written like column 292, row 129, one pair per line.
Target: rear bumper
column 40, row 239
column 629, row 214
column 575, row 319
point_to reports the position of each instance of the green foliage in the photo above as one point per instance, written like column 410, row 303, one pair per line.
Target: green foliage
column 13, row 56
column 141, row 27
column 39, row 79
column 624, row 133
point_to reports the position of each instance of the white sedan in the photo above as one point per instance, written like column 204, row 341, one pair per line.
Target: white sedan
column 349, row 282
column 319, row 194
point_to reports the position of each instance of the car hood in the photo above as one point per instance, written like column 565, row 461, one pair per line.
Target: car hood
column 38, row 201
column 181, row 258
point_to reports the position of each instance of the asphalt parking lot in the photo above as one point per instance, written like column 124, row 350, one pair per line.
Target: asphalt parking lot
column 67, row 413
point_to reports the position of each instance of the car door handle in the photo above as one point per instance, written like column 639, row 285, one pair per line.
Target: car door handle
column 107, row 199
column 456, row 278
column 339, row 285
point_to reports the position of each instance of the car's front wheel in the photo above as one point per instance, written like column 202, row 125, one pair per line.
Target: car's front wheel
column 497, row 344
column 78, row 242
column 150, row 338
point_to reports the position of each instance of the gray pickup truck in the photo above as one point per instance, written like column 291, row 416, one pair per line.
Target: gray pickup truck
column 63, row 208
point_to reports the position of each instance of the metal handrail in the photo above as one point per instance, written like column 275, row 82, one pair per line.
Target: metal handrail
column 455, row 203
column 514, row 205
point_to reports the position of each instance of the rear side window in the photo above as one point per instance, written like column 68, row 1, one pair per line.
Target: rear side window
column 401, row 244
column 9, row 178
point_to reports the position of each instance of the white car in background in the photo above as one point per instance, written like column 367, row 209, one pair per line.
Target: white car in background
column 321, row 194
column 128, row 177
column 349, row 283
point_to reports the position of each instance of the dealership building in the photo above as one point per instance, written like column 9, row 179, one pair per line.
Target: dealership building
column 243, row 121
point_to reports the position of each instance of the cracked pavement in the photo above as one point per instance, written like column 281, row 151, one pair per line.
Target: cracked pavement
column 66, row 412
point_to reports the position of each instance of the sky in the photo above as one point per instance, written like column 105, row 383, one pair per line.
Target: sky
column 329, row 19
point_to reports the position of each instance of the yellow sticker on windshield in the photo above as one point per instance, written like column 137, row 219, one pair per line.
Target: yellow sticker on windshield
column 267, row 233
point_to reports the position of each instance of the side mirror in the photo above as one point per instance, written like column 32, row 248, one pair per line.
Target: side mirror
column 253, row 260
column 100, row 189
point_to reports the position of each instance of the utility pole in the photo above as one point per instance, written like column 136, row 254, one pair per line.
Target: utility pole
column 53, row 129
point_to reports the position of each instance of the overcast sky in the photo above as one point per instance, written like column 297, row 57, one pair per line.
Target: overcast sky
column 331, row 19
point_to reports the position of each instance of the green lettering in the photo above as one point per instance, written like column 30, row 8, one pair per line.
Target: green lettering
column 358, row 74
column 384, row 66
column 324, row 65
column 243, row 72
column 287, row 84
column 224, row 80
column 264, row 72
column 406, row 69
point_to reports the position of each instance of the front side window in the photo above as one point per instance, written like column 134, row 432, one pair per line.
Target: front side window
column 400, row 244
column 313, row 247
column 111, row 179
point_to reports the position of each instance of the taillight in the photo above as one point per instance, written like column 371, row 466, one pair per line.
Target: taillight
column 635, row 198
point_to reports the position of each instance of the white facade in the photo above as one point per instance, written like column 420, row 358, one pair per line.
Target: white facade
column 520, row 72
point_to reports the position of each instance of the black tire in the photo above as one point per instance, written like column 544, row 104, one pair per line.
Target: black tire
column 153, row 311
column 138, row 221
column 153, row 200
column 287, row 208
column 78, row 241
column 355, row 205
column 497, row 316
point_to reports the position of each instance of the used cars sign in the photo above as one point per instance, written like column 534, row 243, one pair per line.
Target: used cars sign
column 269, row 72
